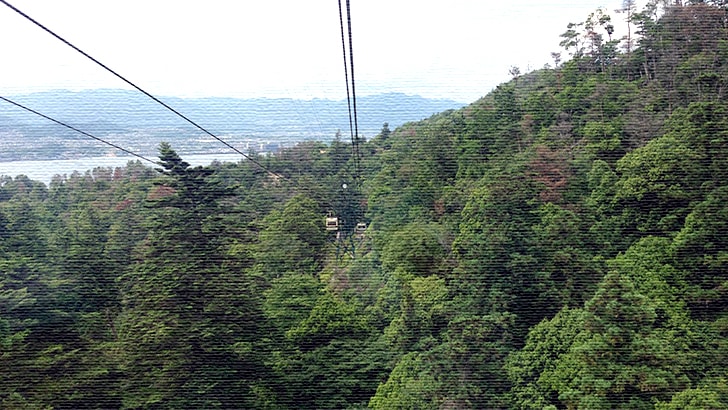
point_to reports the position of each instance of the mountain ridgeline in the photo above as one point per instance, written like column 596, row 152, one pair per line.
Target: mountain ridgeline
column 558, row 244
column 132, row 120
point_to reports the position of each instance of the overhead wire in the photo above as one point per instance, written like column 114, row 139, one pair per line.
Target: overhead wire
column 138, row 88
column 111, row 144
column 351, row 96
column 355, row 143
column 354, row 212
column 346, row 69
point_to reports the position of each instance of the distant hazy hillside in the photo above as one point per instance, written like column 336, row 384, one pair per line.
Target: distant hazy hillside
column 132, row 120
column 122, row 110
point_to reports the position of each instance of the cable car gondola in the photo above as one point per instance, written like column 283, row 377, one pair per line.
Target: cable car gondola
column 332, row 223
column 361, row 227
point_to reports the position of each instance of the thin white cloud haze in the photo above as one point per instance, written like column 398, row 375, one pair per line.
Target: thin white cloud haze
column 459, row 49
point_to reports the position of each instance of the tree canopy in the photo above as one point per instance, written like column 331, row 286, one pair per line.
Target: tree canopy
column 558, row 244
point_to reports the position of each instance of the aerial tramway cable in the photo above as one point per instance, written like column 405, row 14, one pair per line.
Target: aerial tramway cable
column 77, row 130
column 346, row 70
column 155, row 99
column 355, row 142
column 351, row 226
column 350, row 98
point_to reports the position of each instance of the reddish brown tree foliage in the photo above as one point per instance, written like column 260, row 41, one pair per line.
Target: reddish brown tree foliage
column 551, row 168
column 160, row 192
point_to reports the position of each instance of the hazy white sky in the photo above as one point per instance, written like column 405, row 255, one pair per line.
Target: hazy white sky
column 455, row 49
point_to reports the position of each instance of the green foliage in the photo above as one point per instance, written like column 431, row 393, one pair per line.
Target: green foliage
column 708, row 397
column 656, row 183
column 410, row 386
column 700, row 247
column 186, row 321
column 631, row 346
column 559, row 243
column 531, row 368
column 413, row 250
column 329, row 319
column 291, row 239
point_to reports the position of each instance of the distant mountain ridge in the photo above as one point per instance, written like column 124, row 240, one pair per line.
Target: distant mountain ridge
column 134, row 121
column 131, row 110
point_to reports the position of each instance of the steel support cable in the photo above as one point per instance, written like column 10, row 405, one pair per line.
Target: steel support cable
column 316, row 196
column 346, row 71
column 77, row 130
column 155, row 99
column 355, row 142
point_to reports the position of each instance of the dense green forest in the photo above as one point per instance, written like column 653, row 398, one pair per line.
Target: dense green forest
column 558, row 244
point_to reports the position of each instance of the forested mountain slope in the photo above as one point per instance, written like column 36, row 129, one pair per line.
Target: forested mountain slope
column 558, row 244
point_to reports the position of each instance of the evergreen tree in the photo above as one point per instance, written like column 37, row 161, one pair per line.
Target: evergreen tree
column 189, row 324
